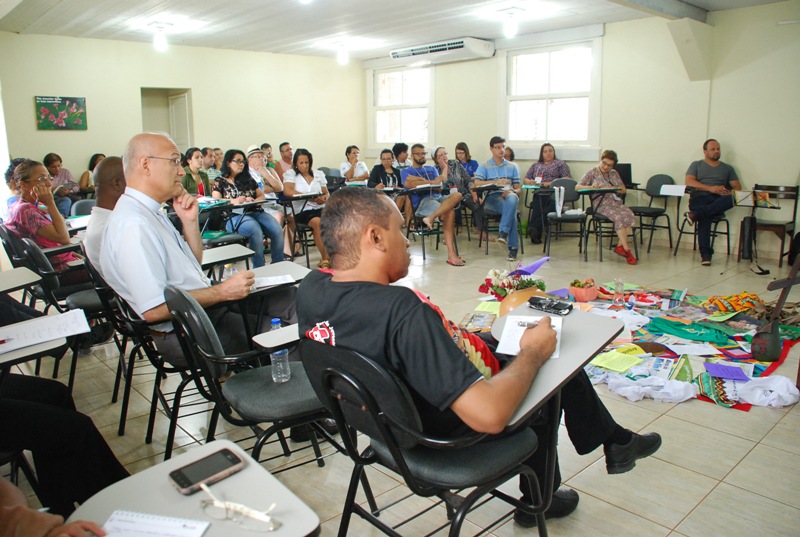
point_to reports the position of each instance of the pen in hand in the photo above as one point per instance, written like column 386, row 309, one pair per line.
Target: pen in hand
column 528, row 324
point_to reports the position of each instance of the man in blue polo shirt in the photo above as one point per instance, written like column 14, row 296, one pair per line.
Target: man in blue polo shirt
column 498, row 171
column 430, row 204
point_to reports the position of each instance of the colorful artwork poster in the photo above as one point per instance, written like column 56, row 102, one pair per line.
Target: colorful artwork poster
column 60, row 113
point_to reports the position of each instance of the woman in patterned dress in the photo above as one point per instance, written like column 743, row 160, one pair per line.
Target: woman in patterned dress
column 611, row 206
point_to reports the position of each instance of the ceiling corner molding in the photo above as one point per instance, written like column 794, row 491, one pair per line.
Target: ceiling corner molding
column 670, row 9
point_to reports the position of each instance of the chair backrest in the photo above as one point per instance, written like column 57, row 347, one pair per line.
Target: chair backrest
column 334, row 172
column 570, row 192
column 82, row 207
column 324, row 169
column 43, row 267
column 14, row 247
column 655, row 183
column 625, row 173
column 361, row 393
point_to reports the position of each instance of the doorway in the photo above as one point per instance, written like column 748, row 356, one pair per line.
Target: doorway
column 169, row 110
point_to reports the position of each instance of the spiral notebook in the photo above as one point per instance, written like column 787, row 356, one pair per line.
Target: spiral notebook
column 132, row 524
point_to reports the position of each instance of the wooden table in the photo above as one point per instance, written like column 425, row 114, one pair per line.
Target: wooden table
column 150, row 492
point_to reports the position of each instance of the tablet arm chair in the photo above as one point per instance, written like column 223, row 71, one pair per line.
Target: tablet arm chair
column 367, row 398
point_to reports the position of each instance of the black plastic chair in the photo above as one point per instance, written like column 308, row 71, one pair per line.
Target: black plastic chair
column 82, row 207
column 555, row 225
column 366, row 397
column 602, row 227
column 653, row 189
column 248, row 397
column 715, row 231
column 303, row 234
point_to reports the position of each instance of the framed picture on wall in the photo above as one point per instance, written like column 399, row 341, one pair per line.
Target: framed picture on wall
column 60, row 113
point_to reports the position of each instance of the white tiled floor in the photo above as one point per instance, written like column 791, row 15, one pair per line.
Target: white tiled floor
column 719, row 471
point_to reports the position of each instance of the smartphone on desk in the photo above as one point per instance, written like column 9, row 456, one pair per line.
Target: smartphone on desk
column 549, row 305
column 210, row 469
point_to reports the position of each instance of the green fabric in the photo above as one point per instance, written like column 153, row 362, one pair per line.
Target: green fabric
column 712, row 388
column 692, row 331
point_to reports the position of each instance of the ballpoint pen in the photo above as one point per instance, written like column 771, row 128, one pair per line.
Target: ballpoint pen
column 528, row 324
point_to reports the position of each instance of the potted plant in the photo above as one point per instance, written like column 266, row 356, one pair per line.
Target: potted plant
column 583, row 290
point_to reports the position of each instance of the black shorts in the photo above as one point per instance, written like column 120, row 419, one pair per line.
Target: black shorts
column 307, row 216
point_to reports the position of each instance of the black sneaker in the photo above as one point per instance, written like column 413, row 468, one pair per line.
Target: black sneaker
column 621, row 458
column 565, row 501
column 705, row 261
column 502, row 237
column 512, row 255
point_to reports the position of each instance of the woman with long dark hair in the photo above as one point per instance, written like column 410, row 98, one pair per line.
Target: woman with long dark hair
column 236, row 184
column 196, row 180
column 86, row 181
column 543, row 172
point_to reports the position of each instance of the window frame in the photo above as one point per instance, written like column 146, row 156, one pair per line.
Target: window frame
column 371, row 81
column 567, row 149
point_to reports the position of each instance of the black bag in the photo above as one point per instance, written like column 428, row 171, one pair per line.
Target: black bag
column 748, row 236
column 794, row 249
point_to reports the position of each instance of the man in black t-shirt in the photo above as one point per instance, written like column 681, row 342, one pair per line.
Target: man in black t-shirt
column 455, row 379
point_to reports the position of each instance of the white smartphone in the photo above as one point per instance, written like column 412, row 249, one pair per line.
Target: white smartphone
column 210, row 469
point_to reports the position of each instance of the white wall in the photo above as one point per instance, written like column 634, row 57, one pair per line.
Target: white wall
column 248, row 98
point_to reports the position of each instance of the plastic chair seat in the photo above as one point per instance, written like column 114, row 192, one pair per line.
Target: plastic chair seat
column 464, row 467
column 89, row 301
column 256, row 397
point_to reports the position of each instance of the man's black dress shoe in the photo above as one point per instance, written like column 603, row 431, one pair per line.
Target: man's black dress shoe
column 621, row 458
column 565, row 501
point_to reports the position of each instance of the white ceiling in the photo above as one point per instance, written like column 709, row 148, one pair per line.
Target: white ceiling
column 288, row 26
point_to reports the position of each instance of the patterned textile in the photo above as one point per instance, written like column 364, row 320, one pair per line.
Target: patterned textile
column 25, row 220
column 549, row 172
column 726, row 304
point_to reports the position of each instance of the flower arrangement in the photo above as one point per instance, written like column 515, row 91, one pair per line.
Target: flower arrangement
column 500, row 284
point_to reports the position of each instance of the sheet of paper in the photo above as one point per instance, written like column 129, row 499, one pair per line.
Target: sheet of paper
column 132, row 524
column 701, row 349
column 78, row 221
column 725, row 371
column 19, row 335
column 632, row 349
column 269, row 281
column 673, row 190
column 489, row 307
column 516, row 326
column 616, row 361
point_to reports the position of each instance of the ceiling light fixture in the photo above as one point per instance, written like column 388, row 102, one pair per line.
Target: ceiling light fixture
column 510, row 17
column 160, row 42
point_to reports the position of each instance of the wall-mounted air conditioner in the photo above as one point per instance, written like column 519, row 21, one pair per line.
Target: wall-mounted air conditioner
column 450, row 50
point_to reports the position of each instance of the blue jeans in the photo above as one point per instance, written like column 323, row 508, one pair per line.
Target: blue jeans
column 254, row 226
column 705, row 209
column 507, row 209
column 64, row 204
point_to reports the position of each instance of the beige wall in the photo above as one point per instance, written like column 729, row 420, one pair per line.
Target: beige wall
column 250, row 97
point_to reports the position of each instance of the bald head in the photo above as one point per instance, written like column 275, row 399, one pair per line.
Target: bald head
column 152, row 166
column 109, row 180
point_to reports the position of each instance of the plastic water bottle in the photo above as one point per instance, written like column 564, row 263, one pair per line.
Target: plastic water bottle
column 280, row 366
column 280, row 359
column 619, row 292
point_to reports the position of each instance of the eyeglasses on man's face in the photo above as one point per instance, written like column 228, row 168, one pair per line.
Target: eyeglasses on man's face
column 420, row 153
column 176, row 161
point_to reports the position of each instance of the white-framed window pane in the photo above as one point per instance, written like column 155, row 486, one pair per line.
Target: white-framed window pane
column 530, row 74
column 571, row 70
column 389, row 89
column 567, row 119
column 414, row 125
column 416, row 86
column 527, row 120
column 387, row 126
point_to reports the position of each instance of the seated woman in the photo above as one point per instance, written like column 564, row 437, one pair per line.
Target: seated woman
column 353, row 169
column 13, row 194
column 611, row 206
column 304, row 179
column 86, row 182
column 196, row 180
column 465, row 159
column 66, row 189
column 454, row 175
column 386, row 175
column 45, row 227
column 543, row 172
column 236, row 185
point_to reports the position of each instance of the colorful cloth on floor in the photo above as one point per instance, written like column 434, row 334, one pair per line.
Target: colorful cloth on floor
column 714, row 389
column 692, row 331
column 725, row 304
